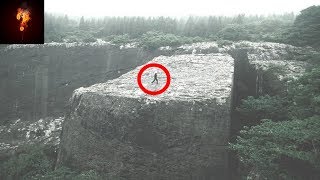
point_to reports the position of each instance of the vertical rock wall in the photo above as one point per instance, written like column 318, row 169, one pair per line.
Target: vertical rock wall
column 37, row 81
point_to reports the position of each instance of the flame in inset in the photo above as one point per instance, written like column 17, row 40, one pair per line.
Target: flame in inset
column 23, row 15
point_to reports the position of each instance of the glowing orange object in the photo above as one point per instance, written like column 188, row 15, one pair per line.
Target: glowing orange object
column 23, row 15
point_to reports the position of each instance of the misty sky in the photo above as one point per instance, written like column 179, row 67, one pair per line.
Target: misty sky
column 96, row 8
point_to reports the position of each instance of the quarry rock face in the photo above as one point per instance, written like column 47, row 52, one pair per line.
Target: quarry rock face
column 36, row 81
column 114, row 127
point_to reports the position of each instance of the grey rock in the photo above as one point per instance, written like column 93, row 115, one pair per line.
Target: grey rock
column 113, row 128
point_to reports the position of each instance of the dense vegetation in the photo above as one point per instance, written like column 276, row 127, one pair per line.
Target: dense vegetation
column 307, row 27
column 281, row 134
column 166, row 30
column 38, row 163
column 286, row 28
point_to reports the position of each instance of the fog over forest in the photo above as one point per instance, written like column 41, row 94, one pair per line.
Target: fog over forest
column 176, row 8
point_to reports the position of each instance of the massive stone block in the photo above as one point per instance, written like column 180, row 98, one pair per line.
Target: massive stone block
column 115, row 128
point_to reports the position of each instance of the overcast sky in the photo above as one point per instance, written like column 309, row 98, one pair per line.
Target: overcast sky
column 96, row 8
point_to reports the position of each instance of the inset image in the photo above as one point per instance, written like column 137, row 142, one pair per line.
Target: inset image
column 22, row 22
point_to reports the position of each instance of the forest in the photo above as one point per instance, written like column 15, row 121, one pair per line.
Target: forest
column 154, row 32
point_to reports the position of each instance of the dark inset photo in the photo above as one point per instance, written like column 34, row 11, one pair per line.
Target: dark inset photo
column 22, row 22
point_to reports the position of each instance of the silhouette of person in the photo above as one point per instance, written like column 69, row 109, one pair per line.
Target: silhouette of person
column 155, row 78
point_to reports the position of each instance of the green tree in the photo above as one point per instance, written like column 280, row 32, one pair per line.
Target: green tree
column 282, row 150
column 288, row 148
column 263, row 107
column 305, row 95
column 37, row 162
column 234, row 32
column 82, row 24
column 306, row 27
column 32, row 161
column 153, row 40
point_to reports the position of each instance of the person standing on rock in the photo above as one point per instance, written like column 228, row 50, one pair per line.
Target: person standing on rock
column 155, row 78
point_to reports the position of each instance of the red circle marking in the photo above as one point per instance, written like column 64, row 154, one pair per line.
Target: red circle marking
column 149, row 66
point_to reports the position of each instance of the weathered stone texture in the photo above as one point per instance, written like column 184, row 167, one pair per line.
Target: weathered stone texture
column 172, row 136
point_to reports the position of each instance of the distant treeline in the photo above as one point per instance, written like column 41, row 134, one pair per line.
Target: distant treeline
column 241, row 27
column 284, row 28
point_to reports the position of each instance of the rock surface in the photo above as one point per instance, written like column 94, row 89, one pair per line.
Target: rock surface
column 36, row 81
column 182, row 134
column 19, row 133
column 113, row 126
column 192, row 77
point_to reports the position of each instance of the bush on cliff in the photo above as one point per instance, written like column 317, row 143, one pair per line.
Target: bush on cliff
column 29, row 162
column 234, row 32
column 282, row 150
column 120, row 39
column 153, row 40
column 263, row 107
column 37, row 162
